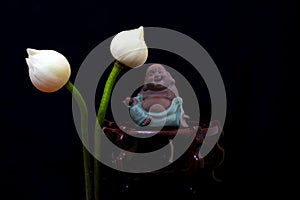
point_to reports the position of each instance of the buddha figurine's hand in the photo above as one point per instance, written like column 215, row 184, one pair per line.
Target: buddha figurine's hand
column 129, row 101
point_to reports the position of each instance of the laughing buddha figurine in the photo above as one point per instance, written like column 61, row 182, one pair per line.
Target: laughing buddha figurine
column 158, row 103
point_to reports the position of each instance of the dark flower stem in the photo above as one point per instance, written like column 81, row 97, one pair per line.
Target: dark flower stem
column 100, row 119
column 84, row 131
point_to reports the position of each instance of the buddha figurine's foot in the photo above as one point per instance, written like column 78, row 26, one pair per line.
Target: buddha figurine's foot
column 146, row 122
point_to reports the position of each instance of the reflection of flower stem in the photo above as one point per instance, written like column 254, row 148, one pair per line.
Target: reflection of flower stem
column 100, row 119
column 84, row 136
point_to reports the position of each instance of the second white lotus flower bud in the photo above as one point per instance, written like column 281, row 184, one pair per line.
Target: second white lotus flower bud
column 48, row 70
column 129, row 47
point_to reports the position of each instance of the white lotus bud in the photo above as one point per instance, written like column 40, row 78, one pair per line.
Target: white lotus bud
column 129, row 47
column 48, row 70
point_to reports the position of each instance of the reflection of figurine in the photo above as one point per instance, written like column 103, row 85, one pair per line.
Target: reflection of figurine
column 158, row 103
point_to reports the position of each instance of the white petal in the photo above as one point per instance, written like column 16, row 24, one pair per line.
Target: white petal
column 129, row 47
column 48, row 70
column 29, row 63
column 141, row 32
column 32, row 52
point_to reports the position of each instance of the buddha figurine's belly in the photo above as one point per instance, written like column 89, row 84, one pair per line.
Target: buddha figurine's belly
column 156, row 104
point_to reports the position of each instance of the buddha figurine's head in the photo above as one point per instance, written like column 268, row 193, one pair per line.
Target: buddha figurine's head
column 158, row 78
column 157, row 74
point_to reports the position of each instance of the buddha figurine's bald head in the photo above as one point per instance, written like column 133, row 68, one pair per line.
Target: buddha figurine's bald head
column 157, row 75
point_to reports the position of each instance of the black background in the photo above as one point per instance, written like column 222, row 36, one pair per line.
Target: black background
column 250, row 41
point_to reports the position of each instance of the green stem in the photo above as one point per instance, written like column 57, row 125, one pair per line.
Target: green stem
column 100, row 119
column 84, row 131
column 107, row 91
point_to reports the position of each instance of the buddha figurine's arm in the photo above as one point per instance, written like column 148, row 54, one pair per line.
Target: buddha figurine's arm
column 130, row 101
